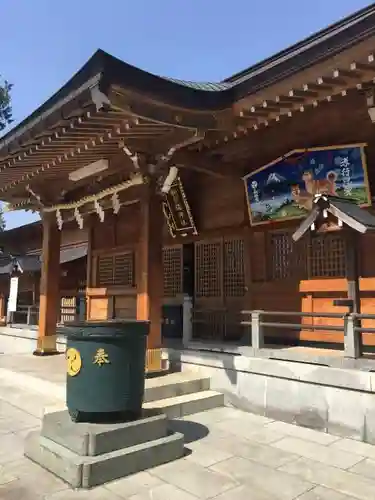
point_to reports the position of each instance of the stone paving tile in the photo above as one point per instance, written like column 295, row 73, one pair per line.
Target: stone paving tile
column 194, row 479
column 32, row 477
column 163, row 492
column 273, row 482
column 244, row 493
column 94, row 494
column 365, row 468
column 206, row 455
column 303, row 433
column 132, row 485
column 6, row 476
column 11, row 448
column 246, row 418
column 357, row 447
column 17, row 424
column 27, row 401
column 336, row 479
column 16, row 490
column 320, row 493
column 215, row 415
column 263, row 454
column 318, row 452
column 253, row 432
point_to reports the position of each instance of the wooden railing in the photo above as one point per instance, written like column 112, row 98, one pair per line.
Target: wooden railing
column 29, row 315
column 250, row 327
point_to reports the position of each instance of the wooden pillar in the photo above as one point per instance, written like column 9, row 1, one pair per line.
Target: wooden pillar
column 150, row 272
column 49, row 304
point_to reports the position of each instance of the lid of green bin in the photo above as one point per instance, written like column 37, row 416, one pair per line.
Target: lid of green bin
column 105, row 329
column 111, row 323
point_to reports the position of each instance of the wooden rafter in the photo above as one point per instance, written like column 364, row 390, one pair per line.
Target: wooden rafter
column 254, row 114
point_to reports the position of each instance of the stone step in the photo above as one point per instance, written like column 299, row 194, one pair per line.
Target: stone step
column 187, row 404
column 174, row 384
column 86, row 472
column 97, row 439
column 159, row 388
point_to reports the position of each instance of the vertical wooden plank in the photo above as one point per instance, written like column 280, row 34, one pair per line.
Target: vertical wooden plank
column 150, row 271
column 49, row 287
column 248, row 270
column 89, row 265
column 258, row 256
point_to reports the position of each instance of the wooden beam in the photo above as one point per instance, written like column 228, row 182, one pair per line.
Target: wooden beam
column 200, row 162
column 49, row 305
column 150, row 271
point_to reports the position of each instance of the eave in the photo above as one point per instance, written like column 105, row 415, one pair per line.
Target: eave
column 108, row 103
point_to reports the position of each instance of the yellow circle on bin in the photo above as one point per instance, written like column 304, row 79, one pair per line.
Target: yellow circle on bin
column 74, row 362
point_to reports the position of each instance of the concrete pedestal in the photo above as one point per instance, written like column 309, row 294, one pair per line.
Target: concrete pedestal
column 87, row 455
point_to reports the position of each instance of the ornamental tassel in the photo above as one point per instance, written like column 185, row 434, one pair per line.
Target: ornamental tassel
column 115, row 203
column 99, row 210
column 78, row 218
column 59, row 220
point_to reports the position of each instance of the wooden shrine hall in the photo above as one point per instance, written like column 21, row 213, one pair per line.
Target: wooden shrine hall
column 195, row 189
column 20, row 255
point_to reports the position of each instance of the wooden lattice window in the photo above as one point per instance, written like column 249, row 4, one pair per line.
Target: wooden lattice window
column 116, row 270
column 172, row 271
column 287, row 259
column 124, row 269
column 105, row 270
column 234, row 268
column 208, row 269
column 327, row 256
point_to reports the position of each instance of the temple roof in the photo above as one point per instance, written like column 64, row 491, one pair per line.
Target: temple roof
column 210, row 95
column 110, row 106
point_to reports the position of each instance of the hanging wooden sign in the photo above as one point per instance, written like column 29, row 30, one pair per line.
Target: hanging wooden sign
column 177, row 211
column 285, row 188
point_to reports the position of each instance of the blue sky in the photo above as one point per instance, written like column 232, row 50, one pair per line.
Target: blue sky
column 44, row 42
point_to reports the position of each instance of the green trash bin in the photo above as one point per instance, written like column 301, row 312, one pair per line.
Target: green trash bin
column 106, row 370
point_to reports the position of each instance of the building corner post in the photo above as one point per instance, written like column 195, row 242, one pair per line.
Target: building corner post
column 150, row 272
column 49, row 303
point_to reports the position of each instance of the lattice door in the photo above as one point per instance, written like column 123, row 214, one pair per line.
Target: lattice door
column 208, row 271
column 220, row 288
column 208, row 316
column 286, row 258
column 234, row 286
column 327, row 256
column 172, row 270
column 234, row 269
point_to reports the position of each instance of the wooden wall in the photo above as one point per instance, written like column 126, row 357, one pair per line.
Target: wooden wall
column 236, row 266
column 111, row 285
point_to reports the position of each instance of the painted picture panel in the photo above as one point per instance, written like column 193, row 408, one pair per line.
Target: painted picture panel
column 285, row 188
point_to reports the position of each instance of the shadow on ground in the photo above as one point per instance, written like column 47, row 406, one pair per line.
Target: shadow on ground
column 192, row 431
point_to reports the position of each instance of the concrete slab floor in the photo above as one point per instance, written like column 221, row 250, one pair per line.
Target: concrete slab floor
column 230, row 455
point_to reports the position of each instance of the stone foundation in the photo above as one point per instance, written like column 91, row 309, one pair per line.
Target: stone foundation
column 87, row 455
column 333, row 399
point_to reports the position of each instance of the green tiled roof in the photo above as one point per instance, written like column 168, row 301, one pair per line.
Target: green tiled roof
column 210, row 86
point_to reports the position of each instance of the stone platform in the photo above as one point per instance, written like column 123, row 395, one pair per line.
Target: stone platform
column 87, row 455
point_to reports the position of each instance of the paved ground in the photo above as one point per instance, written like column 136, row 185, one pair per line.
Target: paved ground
column 231, row 455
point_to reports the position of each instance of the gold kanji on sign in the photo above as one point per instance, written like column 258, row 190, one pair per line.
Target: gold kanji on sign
column 101, row 357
